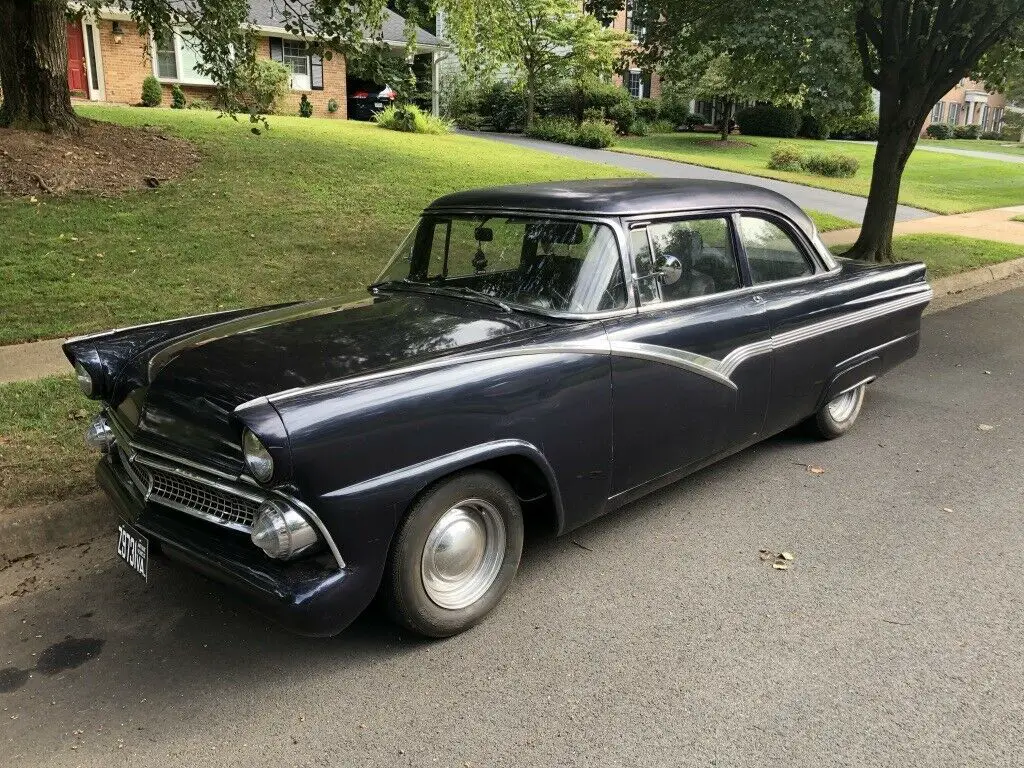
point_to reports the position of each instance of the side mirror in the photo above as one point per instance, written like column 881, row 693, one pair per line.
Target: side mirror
column 483, row 234
column 670, row 269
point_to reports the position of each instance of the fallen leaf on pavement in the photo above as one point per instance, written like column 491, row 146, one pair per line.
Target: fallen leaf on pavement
column 946, row 509
column 780, row 566
column 985, row 427
column 765, row 555
column 786, row 556
column 815, row 470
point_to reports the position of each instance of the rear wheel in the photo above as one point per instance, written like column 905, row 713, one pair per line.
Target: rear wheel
column 839, row 414
column 455, row 554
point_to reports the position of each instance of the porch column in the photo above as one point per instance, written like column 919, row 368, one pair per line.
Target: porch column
column 435, row 85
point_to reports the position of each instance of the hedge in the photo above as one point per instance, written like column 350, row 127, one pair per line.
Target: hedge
column 767, row 120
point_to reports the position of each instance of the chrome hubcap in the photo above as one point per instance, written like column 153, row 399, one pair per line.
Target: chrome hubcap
column 843, row 406
column 463, row 554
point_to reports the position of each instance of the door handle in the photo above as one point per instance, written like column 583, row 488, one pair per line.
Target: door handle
column 758, row 299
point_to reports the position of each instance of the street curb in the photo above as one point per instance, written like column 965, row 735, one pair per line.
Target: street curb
column 33, row 530
column 966, row 280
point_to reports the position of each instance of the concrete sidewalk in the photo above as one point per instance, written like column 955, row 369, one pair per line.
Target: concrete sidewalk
column 993, row 224
column 34, row 360
column 837, row 203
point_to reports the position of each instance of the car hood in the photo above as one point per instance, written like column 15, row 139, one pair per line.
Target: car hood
column 184, row 392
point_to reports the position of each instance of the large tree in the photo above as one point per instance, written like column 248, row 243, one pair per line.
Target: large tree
column 33, row 43
column 913, row 52
column 910, row 51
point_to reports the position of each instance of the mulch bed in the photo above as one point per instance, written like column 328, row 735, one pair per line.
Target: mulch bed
column 105, row 159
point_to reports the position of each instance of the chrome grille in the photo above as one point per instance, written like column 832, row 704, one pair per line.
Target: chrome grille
column 200, row 500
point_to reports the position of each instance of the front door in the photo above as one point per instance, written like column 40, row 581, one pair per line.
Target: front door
column 78, row 81
column 679, row 398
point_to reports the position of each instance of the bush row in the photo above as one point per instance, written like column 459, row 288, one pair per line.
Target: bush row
column 595, row 134
column 768, row 120
column 942, row 131
column 411, row 119
column 786, row 157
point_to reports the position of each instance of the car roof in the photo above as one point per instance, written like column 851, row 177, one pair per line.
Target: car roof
column 626, row 197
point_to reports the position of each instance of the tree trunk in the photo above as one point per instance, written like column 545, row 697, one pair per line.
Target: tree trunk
column 728, row 111
column 34, row 66
column 531, row 97
column 897, row 137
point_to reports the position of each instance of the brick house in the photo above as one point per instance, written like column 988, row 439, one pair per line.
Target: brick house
column 968, row 103
column 108, row 58
column 640, row 84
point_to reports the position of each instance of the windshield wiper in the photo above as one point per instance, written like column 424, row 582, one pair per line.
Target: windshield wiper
column 443, row 290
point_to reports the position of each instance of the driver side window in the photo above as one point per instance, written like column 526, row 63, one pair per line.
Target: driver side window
column 684, row 258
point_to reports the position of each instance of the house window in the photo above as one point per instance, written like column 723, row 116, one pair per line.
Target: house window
column 954, row 114
column 937, row 112
column 997, row 119
column 636, row 85
column 166, row 56
column 307, row 68
column 177, row 58
column 984, row 118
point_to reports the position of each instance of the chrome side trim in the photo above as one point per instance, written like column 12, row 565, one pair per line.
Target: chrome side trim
column 879, row 348
column 717, row 370
column 704, row 366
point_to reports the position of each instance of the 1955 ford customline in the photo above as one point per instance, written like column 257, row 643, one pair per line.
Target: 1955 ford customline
column 547, row 352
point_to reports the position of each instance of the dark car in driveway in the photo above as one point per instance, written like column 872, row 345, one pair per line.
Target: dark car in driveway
column 366, row 99
column 541, row 353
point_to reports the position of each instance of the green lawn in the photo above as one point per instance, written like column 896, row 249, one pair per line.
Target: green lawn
column 309, row 208
column 937, row 182
column 1018, row 218
column 42, row 455
column 43, row 458
column 978, row 145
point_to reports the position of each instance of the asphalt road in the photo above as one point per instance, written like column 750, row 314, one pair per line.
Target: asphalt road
column 837, row 203
column 654, row 637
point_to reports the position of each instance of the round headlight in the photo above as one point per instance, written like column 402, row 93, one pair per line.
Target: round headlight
column 84, row 380
column 257, row 457
column 281, row 532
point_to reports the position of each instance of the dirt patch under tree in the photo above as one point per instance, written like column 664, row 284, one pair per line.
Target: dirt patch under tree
column 104, row 159
column 719, row 144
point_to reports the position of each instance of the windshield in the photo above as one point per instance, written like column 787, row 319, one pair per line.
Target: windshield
column 550, row 264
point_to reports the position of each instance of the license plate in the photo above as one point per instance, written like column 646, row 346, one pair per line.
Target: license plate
column 133, row 548
column 378, row 104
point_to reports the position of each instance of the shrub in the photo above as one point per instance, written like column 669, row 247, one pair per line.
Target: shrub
column 593, row 113
column 786, row 157
column 177, row 97
column 623, row 114
column 257, row 87
column 767, row 120
column 200, row 104
column 694, row 120
column 940, row 131
column 579, row 99
column 647, row 110
column 504, row 105
column 639, row 128
column 967, row 131
column 470, row 121
column 662, row 126
column 992, row 135
column 595, row 134
column 862, row 127
column 411, row 119
column 675, row 108
column 332, row 105
column 305, row 107
column 832, row 164
column 813, row 127
column 152, row 95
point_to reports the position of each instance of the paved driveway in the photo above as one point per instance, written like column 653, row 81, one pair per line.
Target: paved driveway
column 837, row 203
column 653, row 637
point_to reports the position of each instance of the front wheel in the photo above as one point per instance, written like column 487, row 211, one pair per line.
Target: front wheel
column 839, row 414
column 455, row 554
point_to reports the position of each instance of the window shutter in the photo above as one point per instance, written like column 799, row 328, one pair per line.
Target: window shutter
column 276, row 49
column 316, row 72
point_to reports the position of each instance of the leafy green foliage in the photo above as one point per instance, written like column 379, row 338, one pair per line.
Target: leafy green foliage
column 813, row 127
column 966, row 131
column 258, row 87
column 411, row 119
column 786, row 157
column 504, row 105
column 940, row 131
column 332, row 106
column 305, row 106
column 863, row 127
column 574, row 98
column 768, row 120
column 595, row 134
column 833, row 164
column 152, row 94
column 177, row 97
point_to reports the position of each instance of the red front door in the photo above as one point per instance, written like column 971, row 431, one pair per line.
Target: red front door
column 77, row 80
